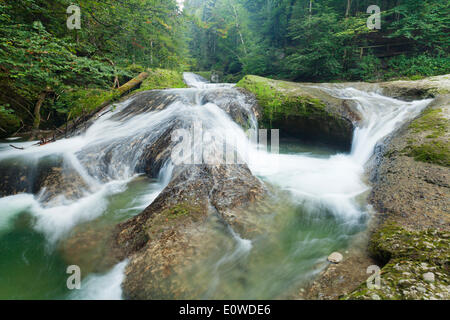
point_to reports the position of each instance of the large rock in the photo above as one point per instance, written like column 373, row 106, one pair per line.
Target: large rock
column 420, row 89
column 164, row 242
column 49, row 177
column 305, row 111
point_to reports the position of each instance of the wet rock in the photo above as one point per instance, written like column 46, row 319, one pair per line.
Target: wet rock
column 304, row 111
column 411, row 196
column 46, row 177
column 420, row 89
column 335, row 257
column 172, row 234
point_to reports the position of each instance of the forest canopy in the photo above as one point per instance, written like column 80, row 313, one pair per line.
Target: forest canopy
column 320, row 40
column 49, row 73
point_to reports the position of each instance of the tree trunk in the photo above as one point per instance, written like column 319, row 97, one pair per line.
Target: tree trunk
column 349, row 5
column 37, row 110
column 238, row 28
column 116, row 77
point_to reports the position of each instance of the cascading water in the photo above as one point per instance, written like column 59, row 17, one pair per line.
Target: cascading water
column 321, row 205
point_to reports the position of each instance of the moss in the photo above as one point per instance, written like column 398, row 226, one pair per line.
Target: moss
column 393, row 241
column 162, row 79
column 435, row 149
column 407, row 256
column 277, row 105
column 431, row 121
column 178, row 211
column 437, row 152
column 85, row 101
column 171, row 217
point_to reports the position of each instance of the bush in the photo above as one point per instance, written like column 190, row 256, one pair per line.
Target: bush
column 422, row 65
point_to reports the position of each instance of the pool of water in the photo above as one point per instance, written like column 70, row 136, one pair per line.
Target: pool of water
column 32, row 268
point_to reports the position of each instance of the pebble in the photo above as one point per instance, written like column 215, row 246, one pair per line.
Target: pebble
column 375, row 297
column 428, row 277
column 335, row 257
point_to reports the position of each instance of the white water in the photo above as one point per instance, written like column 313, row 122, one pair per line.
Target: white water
column 102, row 287
column 334, row 183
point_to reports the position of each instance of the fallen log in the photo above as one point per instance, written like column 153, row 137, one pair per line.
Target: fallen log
column 133, row 83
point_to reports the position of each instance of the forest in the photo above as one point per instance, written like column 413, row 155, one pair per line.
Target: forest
column 50, row 74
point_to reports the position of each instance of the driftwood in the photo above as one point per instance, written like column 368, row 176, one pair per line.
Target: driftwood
column 42, row 142
column 18, row 148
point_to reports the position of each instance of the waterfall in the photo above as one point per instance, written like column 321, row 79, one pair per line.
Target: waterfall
column 108, row 155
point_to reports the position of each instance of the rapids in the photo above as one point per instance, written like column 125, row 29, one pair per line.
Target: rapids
column 321, row 206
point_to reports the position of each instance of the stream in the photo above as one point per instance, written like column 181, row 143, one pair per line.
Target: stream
column 318, row 204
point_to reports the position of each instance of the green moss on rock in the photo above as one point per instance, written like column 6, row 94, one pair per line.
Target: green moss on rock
column 434, row 148
column 432, row 121
column 437, row 152
column 408, row 256
column 277, row 105
column 301, row 111
column 85, row 101
column 162, row 79
column 172, row 217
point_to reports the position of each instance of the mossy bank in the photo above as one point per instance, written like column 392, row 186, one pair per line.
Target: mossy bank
column 76, row 105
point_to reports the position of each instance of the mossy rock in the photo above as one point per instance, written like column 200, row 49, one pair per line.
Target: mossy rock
column 172, row 217
column 162, row 79
column 9, row 122
column 402, row 279
column 408, row 256
column 432, row 127
column 301, row 111
column 392, row 241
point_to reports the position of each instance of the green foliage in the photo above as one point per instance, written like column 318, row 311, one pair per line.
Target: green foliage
column 321, row 40
column 437, row 152
column 117, row 40
column 9, row 122
column 421, row 65
column 277, row 104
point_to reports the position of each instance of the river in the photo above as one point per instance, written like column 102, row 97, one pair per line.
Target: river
column 318, row 204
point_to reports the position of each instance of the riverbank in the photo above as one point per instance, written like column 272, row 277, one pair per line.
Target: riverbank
column 310, row 205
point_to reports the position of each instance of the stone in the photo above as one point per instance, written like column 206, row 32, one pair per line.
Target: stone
column 428, row 277
column 375, row 297
column 421, row 289
column 335, row 257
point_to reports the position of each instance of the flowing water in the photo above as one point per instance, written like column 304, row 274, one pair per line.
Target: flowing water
column 318, row 207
